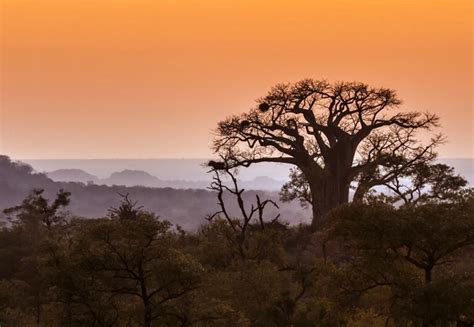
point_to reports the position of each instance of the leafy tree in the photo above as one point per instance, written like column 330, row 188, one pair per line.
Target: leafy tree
column 421, row 182
column 133, row 256
column 36, row 223
column 425, row 182
column 35, row 209
column 333, row 133
column 297, row 188
column 419, row 254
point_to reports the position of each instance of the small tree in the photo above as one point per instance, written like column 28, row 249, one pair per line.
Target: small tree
column 425, row 182
column 242, row 222
column 37, row 210
column 133, row 256
column 36, row 223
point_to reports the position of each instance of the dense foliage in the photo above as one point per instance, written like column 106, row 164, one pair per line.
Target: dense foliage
column 372, row 264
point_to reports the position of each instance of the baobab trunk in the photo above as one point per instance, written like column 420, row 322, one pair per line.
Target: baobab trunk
column 330, row 185
column 327, row 193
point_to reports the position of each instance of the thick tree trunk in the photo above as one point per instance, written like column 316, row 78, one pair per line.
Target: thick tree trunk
column 330, row 185
column 327, row 193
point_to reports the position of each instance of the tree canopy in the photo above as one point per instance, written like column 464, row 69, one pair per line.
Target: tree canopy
column 335, row 134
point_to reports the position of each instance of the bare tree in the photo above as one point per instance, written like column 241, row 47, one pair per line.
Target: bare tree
column 335, row 134
column 238, row 223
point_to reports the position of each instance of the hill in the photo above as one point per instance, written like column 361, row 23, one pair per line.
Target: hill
column 133, row 178
column 130, row 178
column 190, row 173
column 164, row 169
column 187, row 207
column 72, row 175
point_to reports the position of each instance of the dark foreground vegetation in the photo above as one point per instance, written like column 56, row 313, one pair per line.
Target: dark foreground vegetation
column 370, row 264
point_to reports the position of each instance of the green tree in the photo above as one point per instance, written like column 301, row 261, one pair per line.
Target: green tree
column 133, row 256
column 424, row 182
column 417, row 255
column 36, row 224
column 36, row 210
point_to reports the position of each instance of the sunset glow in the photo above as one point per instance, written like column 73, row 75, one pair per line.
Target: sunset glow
column 151, row 79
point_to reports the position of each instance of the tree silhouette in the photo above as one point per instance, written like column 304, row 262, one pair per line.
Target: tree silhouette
column 335, row 134
column 420, row 182
column 133, row 254
column 426, row 182
column 36, row 209
column 242, row 222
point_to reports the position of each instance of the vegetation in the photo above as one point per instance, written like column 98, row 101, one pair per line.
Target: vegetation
column 373, row 264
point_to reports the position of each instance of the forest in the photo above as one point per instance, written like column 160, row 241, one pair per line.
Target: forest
column 402, row 257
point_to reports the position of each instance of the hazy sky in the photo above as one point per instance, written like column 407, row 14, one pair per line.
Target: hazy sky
column 150, row 79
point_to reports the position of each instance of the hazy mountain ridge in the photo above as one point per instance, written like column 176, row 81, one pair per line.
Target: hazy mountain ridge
column 141, row 178
column 164, row 169
column 186, row 207
column 190, row 173
column 72, row 175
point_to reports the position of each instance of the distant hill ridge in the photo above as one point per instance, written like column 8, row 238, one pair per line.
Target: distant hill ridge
column 189, row 169
column 129, row 177
column 188, row 173
column 164, row 169
column 186, row 207
column 72, row 175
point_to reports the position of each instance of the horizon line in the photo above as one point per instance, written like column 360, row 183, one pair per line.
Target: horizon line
column 165, row 158
column 118, row 158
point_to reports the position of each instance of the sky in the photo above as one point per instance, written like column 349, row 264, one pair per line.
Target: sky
column 151, row 78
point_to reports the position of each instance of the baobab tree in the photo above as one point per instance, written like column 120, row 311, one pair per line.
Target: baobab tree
column 335, row 134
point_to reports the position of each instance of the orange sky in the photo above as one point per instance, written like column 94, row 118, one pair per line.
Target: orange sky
column 150, row 79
